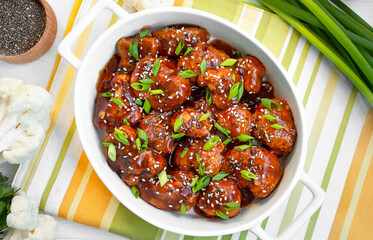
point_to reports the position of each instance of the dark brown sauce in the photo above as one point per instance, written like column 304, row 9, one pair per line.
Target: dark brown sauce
column 247, row 197
column 226, row 47
column 253, row 100
column 106, row 74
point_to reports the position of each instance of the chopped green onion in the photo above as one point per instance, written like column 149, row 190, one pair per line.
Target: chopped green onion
column 188, row 51
column 179, row 47
column 125, row 122
column 144, row 146
column 112, row 152
column 187, row 74
column 276, row 126
column 201, row 183
column 118, row 102
column 222, row 215
column 135, row 191
column 270, row 118
column 228, row 62
column 198, row 158
column 185, row 150
column 219, row 176
column 238, row 54
column 107, row 94
column 194, row 181
column 230, row 206
column 140, row 86
column 244, row 137
column 178, row 135
column 106, row 144
column 146, row 106
column 204, row 117
column 142, row 135
column 121, row 136
column 208, row 97
column 144, row 33
column 162, row 176
column 242, row 147
column 247, row 175
column 156, row 91
column 210, row 143
column 138, row 143
column 133, row 51
column 178, row 123
column 221, row 129
column 146, row 80
column 138, row 102
column 234, row 90
column 182, row 208
column 267, row 104
column 201, row 169
column 155, row 67
column 203, row 66
column 240, row 92
column 226, row 141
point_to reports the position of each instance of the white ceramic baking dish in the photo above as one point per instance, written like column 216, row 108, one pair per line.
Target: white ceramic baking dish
column 85, row 94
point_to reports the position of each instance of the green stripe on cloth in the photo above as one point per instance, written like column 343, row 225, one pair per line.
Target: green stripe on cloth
column 243, row 235
column 312, row 143
column 290, row 50
column 312, row 79
column 57, row 166
column 200, row 238
column 264, row 224
column 221, row 8
column 226, row 237
column 301, row 62
column 238, row 13
column 171, row 236
column 127, row 224
column 333, row 157
column 263, row 25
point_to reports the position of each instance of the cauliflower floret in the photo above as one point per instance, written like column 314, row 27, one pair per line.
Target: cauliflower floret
column 146, row 4
column 23, row 213
column 45, row 229
column 24, row 118
column 15, row 234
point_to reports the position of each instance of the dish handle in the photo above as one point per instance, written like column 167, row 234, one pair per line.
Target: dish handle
column 65, row 47
column 318, row 196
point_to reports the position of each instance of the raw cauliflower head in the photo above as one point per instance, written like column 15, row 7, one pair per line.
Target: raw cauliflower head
column 146, row 4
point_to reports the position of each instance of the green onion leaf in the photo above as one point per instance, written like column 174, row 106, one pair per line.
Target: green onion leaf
column 194, row 181
column 238, row 54
column 208, row 97
column 182, row 208
column 140, row 86
column 135, row 191
column 244, row 137
column 247, row 175
column 107, row 94
column 230, row 206
column 219, row 176
column 204, row 117
column 146, row 106
column 142, row 135
column 221, row 129
column 276, row 126
column 144, row 147
column 188, row 51
column 156, row 91
column 228, row 62
column 226, row 141
column 178, row 123
column 201, row 183
column 125, row 122
column 185, row 150
column 112, row 152
column 179, row 47
column 144, row 33
column 270, row 118
column 118, row 102
column 234, row 90
column 198, row 158
column 138, row 143
column 210, row 143
column 222, row 215
column 138, row 102
column 146, row 80
column 187, row 74
column 240, row 92
column 162, row 176
column 134, row 52
column 201, row 169
column 242, row 147
column 203, row 66
column 178, row 135
column 106, row 144
column 121, row 136
column 267, row 104
column 155, row 67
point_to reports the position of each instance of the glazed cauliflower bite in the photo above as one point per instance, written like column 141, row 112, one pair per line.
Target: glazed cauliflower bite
column 24, row 119
column 191, row 125
column 252, row 71
column 108, row 114
column 236, row 119
column 259, row 161
column 175, row 89
column 172, row 194
column 217, row 194
column 131, row 164
column 211, row 159
column 279, row 141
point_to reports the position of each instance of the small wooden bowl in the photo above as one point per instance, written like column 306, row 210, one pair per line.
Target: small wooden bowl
column 44, row 43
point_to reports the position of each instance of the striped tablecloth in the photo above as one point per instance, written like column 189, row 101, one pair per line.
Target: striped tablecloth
column 340, row 146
